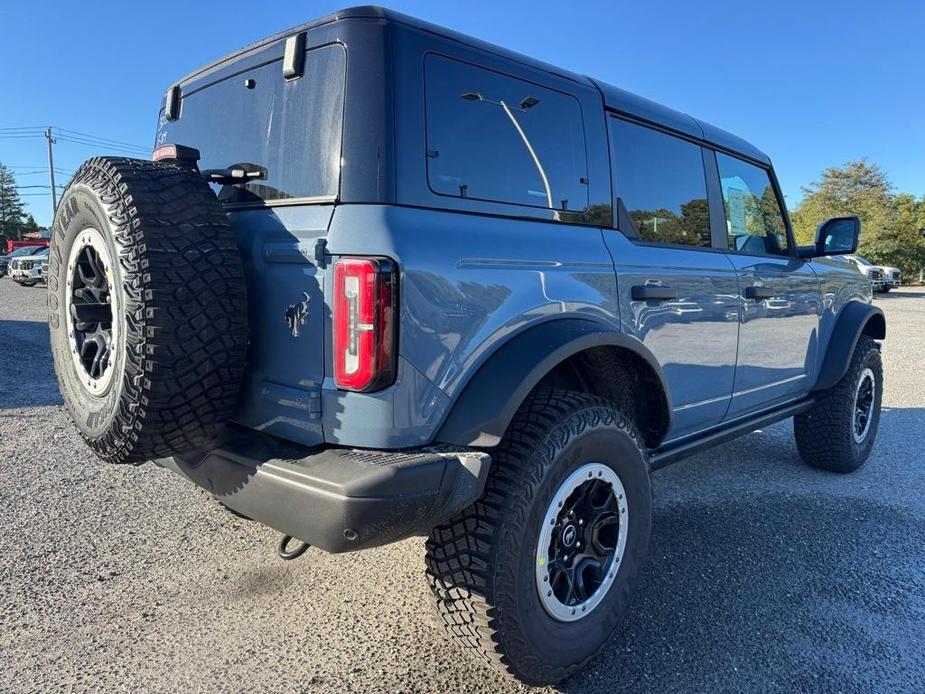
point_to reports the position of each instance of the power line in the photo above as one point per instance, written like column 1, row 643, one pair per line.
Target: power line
column 53, row 135
column 61, row 171
column 100, row 138
column 104, row 145
column 69, row 135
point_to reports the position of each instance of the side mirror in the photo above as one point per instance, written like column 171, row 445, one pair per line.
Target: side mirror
column 835, row 236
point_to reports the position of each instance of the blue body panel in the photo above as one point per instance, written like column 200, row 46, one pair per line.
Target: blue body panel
column 468, row 284
column 778, row 337
column 282, row 391
column 839, row 283
column 694, row 337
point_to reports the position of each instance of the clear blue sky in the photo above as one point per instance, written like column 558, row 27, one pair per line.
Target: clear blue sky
column 813, row 84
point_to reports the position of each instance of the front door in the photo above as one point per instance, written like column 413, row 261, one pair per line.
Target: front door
column 779, row 292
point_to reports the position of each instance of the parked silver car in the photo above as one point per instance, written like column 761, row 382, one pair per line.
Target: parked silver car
column 16, row 253
column 28, row 270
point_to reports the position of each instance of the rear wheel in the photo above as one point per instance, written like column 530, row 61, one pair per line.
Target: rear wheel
column 535, row 576
column 838, row 432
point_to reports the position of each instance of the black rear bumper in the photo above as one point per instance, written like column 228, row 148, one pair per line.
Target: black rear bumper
column 337, row 499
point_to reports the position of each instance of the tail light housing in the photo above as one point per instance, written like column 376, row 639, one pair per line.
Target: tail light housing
column 365, row 323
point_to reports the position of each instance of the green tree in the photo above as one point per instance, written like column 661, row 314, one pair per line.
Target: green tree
column 29, row 224
column 890, row 223
column 11, row 208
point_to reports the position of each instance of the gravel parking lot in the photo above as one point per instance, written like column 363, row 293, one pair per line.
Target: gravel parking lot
column 764, row 575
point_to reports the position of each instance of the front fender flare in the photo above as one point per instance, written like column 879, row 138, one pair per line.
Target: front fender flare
column 856, row 319
column 487, row 404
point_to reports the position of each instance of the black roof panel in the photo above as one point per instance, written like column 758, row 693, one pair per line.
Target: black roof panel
column 615, row 98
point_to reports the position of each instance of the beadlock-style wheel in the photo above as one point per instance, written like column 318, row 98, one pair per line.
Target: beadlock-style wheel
column 90, row 307
column 581, row 542
column 864, row 397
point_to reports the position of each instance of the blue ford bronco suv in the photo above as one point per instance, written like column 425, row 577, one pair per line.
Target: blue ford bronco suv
column 381, row 279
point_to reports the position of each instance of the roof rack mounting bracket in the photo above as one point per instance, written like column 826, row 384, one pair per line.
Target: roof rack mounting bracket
column 294, row 57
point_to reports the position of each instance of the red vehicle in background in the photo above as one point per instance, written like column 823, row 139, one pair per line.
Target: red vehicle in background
column 25, row 243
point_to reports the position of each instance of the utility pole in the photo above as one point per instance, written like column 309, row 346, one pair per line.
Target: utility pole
column 51, row 172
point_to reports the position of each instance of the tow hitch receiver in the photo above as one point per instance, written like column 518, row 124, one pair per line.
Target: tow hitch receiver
column 286, row 554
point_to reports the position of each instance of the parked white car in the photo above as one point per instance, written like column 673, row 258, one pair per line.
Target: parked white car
column 882, row 278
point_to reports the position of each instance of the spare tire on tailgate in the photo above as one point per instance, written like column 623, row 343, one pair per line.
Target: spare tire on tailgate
column 147, row 309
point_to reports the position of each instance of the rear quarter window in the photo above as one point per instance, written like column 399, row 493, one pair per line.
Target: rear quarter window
column 497, row 138
column 293, row 128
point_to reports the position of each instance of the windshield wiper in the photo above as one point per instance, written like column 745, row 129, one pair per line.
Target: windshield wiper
column 242, row 172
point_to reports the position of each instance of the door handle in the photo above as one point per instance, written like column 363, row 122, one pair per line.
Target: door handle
column 652, row 292
column 758, row 292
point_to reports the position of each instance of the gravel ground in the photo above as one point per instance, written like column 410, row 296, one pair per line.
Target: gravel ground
column 764, row 575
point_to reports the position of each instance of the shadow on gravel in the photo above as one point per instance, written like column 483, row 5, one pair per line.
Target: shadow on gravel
column 773, row 592
column 27, row 378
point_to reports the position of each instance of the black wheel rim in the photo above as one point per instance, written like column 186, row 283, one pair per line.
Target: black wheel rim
column 582, row 542
column 91, row 308
column 864, row 405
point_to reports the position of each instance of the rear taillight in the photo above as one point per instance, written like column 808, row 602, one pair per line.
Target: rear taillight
column 365, row 323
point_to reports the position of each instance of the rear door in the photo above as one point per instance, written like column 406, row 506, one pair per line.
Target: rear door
column 677, row 294
column 248, row 112
column 778, row 338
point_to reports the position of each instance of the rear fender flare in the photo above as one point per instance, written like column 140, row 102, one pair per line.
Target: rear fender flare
column 487, row 404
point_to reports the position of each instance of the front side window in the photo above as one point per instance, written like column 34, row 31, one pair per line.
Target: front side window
column 493, row 137
column 754, row 221
column 660, row 186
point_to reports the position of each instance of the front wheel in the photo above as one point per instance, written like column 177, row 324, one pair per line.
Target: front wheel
column 535, row 576
column 838, row 432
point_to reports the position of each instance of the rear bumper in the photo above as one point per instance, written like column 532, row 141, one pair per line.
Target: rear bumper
column 338, row 499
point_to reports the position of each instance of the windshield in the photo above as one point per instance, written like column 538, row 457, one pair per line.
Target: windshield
column 863, row 261
column 291, row 128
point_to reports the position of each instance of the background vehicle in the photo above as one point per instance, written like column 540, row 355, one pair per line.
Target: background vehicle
column 16, row 253
column 882, row 278
column 28, row 269
column 440, row 288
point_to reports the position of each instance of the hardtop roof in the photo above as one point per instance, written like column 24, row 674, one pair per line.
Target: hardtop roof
column 614, row 98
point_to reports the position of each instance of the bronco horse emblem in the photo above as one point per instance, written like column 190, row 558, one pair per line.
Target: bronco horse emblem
column 296, row 314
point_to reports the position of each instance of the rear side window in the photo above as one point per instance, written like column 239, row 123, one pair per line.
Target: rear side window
column 660, row 186
column 291, row 128
column 497, row 138
column 754, row 222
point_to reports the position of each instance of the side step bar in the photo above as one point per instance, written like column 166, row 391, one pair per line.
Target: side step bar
column 677, row 450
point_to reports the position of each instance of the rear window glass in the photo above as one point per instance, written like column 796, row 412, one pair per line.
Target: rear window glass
column 291, row 128
column 660, row 185
column 497, row 138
